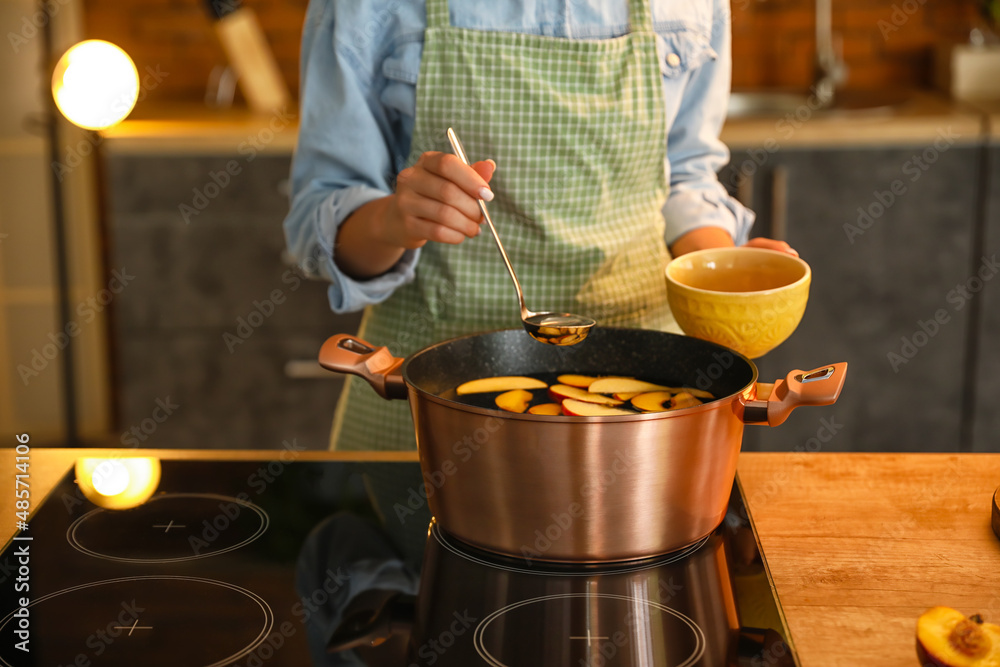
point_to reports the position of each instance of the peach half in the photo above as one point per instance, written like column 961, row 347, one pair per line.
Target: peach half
column 947, row 638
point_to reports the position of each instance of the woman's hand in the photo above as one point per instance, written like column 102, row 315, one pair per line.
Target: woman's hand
column 771, row 244
column 437, row 199
column 716, row 237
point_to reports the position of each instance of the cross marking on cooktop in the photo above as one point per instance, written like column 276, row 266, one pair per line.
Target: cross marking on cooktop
column 168, row 526
column 589, row 637
column 134, row 626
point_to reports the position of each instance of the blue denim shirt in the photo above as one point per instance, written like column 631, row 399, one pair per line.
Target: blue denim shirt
column 360, row 61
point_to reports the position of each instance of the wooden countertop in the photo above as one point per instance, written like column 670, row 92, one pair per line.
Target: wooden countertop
column 858, row 545
column 199, row 130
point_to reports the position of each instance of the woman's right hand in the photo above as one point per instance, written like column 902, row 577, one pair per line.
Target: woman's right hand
column 437, row 199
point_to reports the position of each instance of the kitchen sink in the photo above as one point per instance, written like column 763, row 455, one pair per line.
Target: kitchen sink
column 750, row 104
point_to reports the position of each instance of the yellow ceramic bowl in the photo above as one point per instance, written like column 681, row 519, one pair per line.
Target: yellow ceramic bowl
column 748, row 299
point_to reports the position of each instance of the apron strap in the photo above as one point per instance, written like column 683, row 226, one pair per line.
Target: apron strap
column 437, row 14
column 640, row 15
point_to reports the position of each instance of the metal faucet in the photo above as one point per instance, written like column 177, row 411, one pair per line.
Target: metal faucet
column 831, row 67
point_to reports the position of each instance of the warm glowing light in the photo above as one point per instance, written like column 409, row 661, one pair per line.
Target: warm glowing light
column 118, row 483
column 110, row 477
column 95, row 84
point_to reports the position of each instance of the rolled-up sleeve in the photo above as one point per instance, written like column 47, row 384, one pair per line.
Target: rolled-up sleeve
column 345, row 155
column 695, row 152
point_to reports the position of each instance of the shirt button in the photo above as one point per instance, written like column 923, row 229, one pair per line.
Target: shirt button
column 673, row 59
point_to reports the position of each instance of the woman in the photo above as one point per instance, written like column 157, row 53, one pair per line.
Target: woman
column 595, row 125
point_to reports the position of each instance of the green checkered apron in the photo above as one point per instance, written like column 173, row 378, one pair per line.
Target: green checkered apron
column 578, row 131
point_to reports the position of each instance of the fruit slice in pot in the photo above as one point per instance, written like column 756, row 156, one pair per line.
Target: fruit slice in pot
column 581, row 381
column 576, row 408
column 622, row 385
column 515, row 400
column 683, row 400
column 499, row 383
column 550, row 409
column 560, row 392
column 652, row 401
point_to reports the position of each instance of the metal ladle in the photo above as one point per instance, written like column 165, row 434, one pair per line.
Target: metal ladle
column 551, row 328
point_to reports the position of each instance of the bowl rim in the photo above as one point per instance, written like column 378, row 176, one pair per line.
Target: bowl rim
column 806, row 277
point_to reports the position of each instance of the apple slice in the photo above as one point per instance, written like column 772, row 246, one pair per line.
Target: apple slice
column 576, row 408
column 499, row 383
column 683, row 400
column 623, row 385
column 947, row 638
column 652, row 401
column 546, row 409
column 581, row 381
column 515, row 400
column 626, row 395
column 559, row 392
column 697, row 393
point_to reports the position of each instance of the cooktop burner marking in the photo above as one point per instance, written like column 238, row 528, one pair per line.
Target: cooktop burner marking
column 589, row 637
column 167, row 526
column 133, row 627
column 265, row 609
column 696, row 631
column 72, row 534
column 446, row 542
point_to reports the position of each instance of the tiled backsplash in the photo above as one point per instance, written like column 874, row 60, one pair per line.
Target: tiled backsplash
column 886, row 43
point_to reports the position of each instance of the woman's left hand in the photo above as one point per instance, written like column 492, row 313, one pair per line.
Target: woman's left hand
column 703, row 238
column 771, row 244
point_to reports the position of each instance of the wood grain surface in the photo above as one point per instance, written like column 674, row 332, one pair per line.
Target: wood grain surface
column 858, row 545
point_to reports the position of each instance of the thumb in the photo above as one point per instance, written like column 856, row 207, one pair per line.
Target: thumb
column 485, row 169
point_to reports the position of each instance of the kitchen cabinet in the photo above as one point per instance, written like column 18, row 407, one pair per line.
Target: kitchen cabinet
column 986, row 426
column 210, row 316
column 889, row 233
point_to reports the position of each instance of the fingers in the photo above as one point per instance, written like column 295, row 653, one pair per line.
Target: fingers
column 485, row 169
column 450, row 168
column 772, row 244
column 437, row 199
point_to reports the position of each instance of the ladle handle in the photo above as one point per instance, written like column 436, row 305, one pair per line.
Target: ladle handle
column 460, row 152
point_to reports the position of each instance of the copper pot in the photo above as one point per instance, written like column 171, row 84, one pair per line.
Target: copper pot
column 580, row 489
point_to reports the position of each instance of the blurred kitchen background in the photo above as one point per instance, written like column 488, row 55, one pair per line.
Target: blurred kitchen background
column 865, row 132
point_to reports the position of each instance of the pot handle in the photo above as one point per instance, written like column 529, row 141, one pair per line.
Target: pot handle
column 820, row 386
column 345, row 353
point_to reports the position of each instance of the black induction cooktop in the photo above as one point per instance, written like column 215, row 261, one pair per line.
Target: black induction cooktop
column 289, row 563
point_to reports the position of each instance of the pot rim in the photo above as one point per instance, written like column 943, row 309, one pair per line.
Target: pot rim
column 648, row 416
